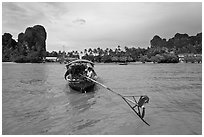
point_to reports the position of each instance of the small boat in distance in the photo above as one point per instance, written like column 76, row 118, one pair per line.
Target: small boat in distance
column 76, row 74
column 124, row 63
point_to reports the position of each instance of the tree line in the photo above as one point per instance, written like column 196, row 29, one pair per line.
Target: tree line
column 31, row 47
column 161, row 51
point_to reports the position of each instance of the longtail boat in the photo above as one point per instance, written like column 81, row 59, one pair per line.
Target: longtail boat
column 76, row 70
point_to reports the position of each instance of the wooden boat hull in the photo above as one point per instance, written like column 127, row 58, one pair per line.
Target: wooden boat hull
column 82, row 85
column 74, row 75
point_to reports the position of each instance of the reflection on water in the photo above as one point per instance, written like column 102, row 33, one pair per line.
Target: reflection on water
column 78, row 101
column 79, row 104
column 37, row 100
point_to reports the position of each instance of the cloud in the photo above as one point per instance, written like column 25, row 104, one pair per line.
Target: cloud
column 18, row 16
column 106, row 24
column 79, row 21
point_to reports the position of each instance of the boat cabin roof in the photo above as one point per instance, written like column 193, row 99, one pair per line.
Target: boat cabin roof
column 80, row 61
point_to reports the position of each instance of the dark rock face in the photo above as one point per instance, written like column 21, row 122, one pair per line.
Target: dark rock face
column 182, row 43
column 8, row 46
column 31, row 45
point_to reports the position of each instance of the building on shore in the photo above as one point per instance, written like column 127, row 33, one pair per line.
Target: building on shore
column 193, row 58
column 51, row 59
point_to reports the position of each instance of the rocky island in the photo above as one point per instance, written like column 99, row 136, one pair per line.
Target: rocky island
column 30, row 46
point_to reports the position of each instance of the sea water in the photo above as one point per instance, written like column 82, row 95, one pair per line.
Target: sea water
column 37, row 100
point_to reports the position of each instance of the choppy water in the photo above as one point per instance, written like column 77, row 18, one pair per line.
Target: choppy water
column 37, row 100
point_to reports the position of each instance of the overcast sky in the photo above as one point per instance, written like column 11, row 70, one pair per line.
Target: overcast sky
column 77, row 26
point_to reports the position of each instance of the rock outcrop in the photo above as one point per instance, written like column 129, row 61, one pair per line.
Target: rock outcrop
column 31, row 45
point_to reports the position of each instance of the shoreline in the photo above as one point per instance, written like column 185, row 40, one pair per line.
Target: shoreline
column 102, row 63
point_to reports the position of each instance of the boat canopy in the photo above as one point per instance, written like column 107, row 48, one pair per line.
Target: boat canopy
column 81, row 61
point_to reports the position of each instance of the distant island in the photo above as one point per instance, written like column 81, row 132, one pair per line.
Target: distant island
column 31, row 47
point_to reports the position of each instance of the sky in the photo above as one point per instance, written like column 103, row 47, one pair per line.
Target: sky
column 78, row 26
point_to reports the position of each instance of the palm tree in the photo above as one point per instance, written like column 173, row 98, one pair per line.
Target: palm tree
column 126, row 49
column 98, row 50
column 95, row 51
column 85, row 51
column 76, row 52
column 106, row 52
column 90, row 51
column 119, row 50
column 111, row 52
